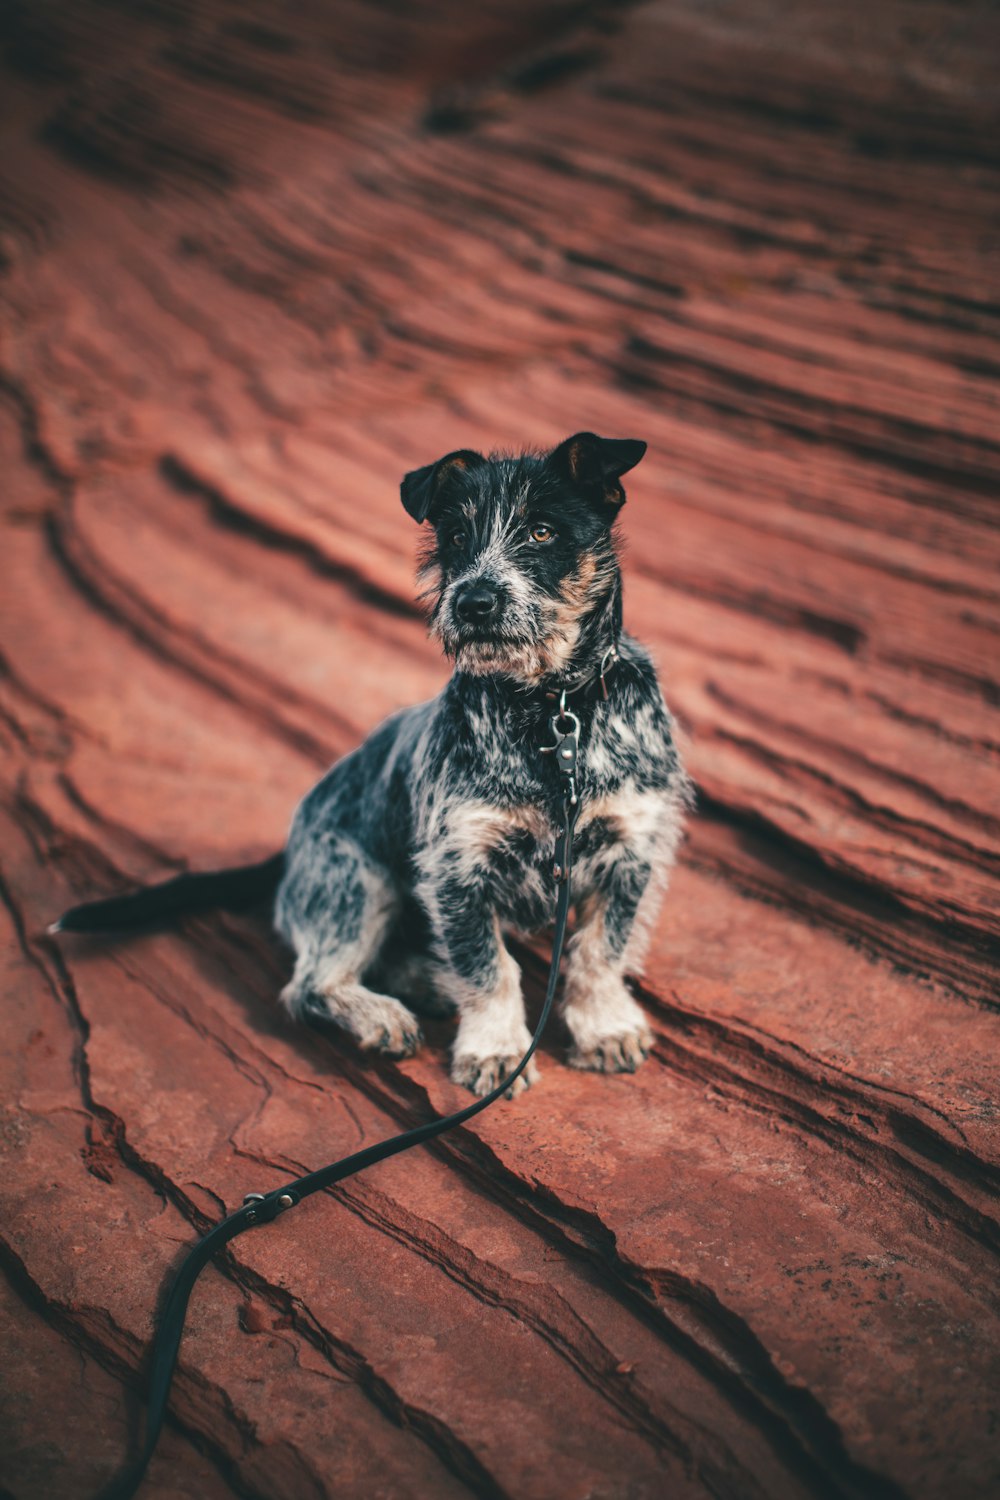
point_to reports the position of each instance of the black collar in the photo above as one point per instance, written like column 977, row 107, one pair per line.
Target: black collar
column 594, row 682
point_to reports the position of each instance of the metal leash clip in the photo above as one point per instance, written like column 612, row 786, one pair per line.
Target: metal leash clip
column 565, row 730
column 608, row 660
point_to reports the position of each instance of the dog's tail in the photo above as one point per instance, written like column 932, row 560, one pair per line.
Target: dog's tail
column 230, row 889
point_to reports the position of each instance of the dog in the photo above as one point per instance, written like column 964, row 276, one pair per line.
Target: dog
column 416, row 854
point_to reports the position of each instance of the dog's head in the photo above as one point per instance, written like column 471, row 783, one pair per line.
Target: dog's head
column 521, row 555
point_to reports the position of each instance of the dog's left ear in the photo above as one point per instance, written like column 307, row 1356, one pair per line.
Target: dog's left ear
column 597, row 464
column 422, row 488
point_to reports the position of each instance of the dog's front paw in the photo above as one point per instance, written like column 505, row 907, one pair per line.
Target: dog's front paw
column 609, row 1031
column 622, row 1053
column 483, row 1074
column 391, row 1029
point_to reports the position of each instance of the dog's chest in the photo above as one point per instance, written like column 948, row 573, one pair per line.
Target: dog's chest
column 490, row 818
column 512, row 849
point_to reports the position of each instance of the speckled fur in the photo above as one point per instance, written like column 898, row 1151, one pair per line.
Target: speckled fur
column 414, row 855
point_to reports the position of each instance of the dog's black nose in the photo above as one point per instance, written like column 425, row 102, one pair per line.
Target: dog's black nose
column 477, row 603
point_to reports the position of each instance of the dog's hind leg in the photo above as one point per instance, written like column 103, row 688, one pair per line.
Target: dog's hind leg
column 335, row 907
column 417, row 979
column 406, row 966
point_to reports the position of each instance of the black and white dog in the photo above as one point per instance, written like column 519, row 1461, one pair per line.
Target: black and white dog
column 416, row 853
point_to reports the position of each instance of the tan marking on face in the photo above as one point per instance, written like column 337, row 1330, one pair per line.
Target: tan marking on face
column 575, row 589
column 563, row 615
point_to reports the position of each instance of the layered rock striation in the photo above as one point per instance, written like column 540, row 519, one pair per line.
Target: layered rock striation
column 255, row 262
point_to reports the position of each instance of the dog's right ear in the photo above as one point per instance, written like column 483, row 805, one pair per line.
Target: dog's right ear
column 422, row 488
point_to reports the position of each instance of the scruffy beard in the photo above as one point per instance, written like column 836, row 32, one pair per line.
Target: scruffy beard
column 525, row 661
column 543, row 638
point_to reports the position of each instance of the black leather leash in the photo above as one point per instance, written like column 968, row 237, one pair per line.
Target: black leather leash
column 262, row 1208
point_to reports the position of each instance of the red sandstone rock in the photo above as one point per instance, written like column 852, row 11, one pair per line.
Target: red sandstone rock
column 254, row 267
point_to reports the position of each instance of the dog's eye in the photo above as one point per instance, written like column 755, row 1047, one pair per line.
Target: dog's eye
column 542, row 533
column 457, row 539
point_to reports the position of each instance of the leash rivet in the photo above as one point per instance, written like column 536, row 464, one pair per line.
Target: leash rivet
column 566, row 754
column 286, row 1200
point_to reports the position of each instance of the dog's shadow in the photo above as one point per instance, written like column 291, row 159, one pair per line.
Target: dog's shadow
column 242, row 955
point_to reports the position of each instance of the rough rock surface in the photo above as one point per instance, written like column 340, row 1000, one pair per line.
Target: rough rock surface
column 256, row 261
